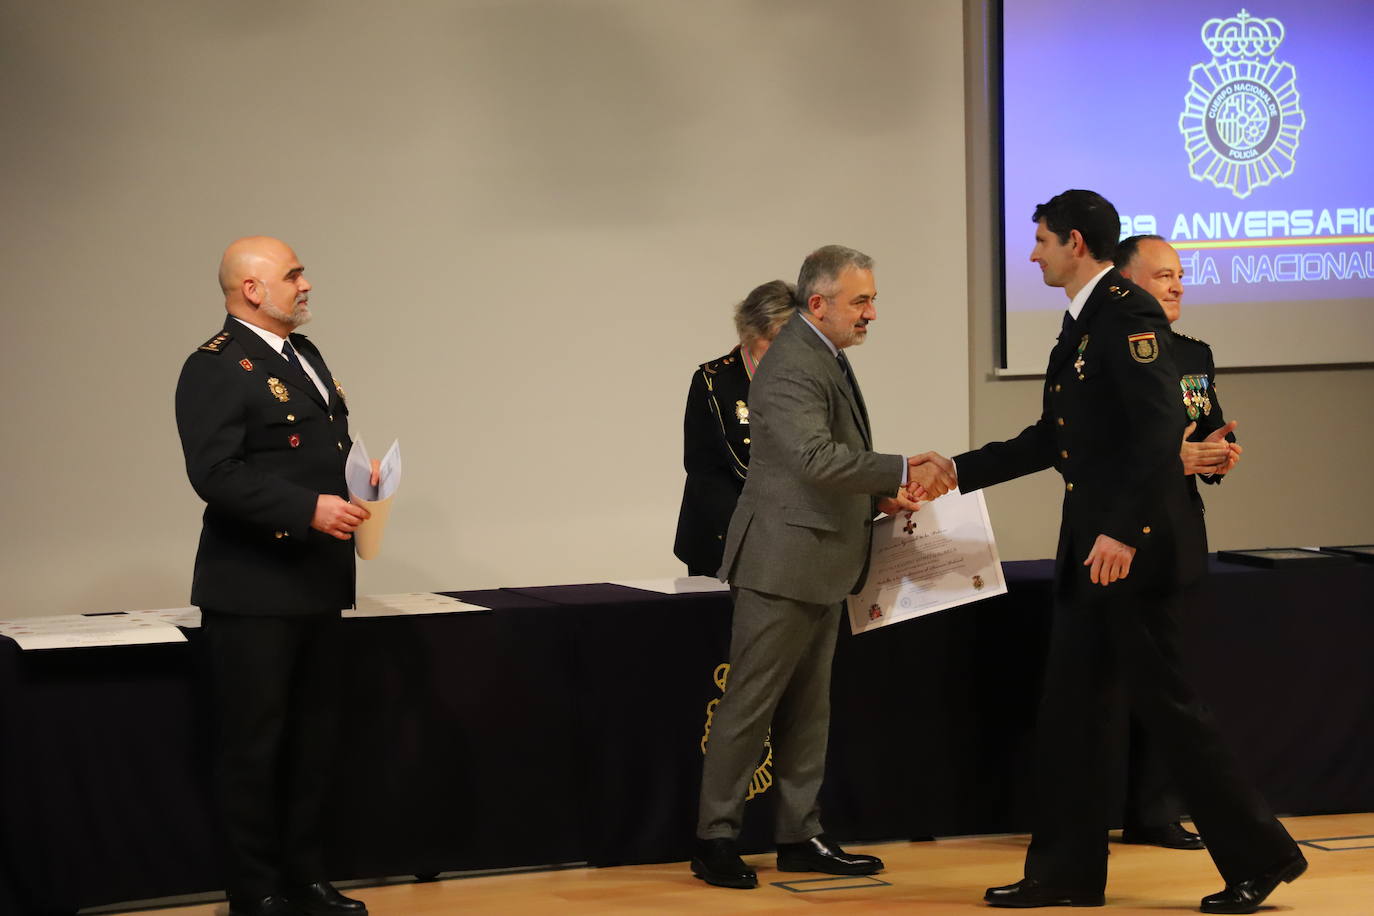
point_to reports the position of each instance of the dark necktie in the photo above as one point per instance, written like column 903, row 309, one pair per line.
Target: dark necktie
column 849, row 376
column 1068, row 322
column 289, row 352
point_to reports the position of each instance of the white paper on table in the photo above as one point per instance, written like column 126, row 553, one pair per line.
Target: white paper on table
column 188, row 617
column 367, row 537
column 685, row 585
column 941, row 557
column 72, row 631
column 410, row 603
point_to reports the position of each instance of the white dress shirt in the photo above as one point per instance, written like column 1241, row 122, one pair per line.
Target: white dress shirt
column 276, row 343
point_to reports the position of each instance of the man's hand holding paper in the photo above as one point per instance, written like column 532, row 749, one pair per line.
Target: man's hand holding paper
column 371, row 485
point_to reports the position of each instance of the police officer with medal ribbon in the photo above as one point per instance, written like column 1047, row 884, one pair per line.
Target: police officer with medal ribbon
column 1128, row 542
column 715, row 429
column 264, row 431
column 1209, row 451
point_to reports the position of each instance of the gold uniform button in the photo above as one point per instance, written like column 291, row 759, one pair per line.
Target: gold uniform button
column 1064, row 453
column 746, row 441
column 1058, row 387
column 280, row 534
column 1069, row 487
column 340, row 444
column 290, row 418
column 1145, row 530
column 1061, row 421
column 331, row 418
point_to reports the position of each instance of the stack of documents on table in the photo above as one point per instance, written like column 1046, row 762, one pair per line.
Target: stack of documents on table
column 73, row 631
column 940, row 557
column 410, row 603
column 685, row 585
column 367, row 538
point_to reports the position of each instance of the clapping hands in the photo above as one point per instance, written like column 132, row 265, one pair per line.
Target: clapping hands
column 1213, row 455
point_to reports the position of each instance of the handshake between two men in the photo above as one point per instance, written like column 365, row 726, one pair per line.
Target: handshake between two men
column 929, row 475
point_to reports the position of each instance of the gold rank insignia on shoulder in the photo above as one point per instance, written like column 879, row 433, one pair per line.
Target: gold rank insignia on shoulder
column 339, row 389
column 278, row 390
column 742, row 412
column 1144, row 348
column 1118, row 293
column 216, row 343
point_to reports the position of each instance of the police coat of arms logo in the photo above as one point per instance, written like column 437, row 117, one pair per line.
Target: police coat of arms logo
column 1241, row 119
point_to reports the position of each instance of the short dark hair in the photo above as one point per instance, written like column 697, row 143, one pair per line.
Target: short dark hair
column 1126, row 248
column 1087, row 211
column 764, row 310
column 821, row 270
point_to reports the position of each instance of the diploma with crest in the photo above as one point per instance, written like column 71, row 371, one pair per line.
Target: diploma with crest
column 941, row 557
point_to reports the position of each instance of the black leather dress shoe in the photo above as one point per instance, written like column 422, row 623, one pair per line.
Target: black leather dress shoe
column 717, row 862
column 1028, row 893
column 1170, row 836
column 823, row 855
column 261, row 906
column 1247, row 896
column 320, row 899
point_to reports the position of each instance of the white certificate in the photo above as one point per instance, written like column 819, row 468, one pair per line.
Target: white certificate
column 71, row 631
column 922, row 562
column 685, row 585
column 409, row 603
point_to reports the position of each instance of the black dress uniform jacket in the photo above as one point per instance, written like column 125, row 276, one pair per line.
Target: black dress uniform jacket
column 260, row 447
column 1110, row 424
column 715, row 452
column 1197, row 386
column 1151, row 800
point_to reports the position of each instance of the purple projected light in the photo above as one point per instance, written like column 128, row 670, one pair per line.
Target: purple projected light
column 1240, row 134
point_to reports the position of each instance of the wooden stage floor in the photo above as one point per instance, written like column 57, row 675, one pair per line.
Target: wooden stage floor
column 945, row 876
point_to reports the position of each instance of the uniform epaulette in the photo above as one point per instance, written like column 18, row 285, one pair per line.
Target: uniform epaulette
column 1118, row 293
column 716, row 365
column 1193, row 339
column 216, row 344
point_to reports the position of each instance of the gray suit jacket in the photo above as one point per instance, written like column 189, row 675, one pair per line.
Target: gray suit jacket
column 801, row 529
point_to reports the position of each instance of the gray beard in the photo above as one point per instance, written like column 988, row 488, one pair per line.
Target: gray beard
column 294, row 319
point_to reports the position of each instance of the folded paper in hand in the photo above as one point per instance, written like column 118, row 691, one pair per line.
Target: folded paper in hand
column 367, row 539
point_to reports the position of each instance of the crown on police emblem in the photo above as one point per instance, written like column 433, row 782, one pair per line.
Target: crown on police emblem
column 1241, row 119
column 1242, row 36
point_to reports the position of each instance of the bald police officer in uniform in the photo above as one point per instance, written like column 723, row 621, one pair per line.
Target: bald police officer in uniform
column 1208, row 452
column 1127, row 544
column 264, row 431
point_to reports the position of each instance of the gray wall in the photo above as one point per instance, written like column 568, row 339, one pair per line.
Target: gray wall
column 526, row 223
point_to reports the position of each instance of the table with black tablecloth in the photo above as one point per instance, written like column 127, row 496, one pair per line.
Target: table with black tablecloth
column 566, row 726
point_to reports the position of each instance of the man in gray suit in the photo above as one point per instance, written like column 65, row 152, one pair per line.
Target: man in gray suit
column 798, row 543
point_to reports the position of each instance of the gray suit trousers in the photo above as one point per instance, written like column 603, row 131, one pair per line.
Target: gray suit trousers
column 780, row 655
